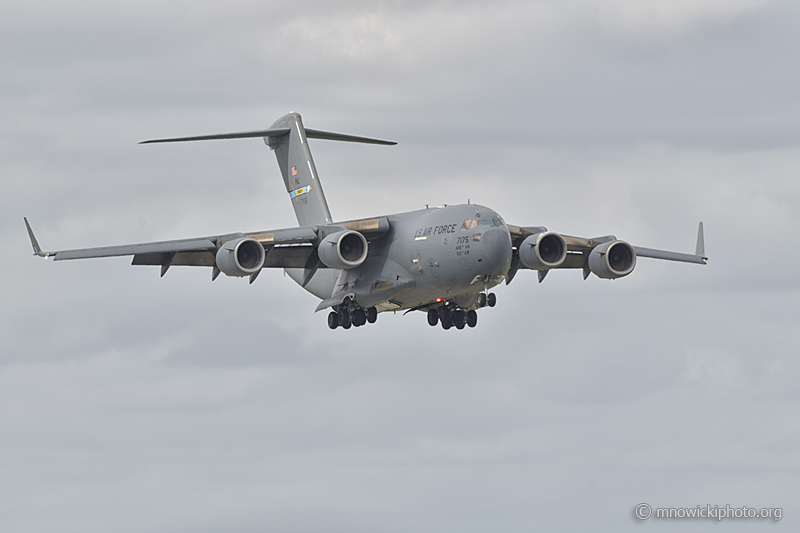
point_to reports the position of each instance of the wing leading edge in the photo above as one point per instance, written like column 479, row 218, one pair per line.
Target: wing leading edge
column 284, row 248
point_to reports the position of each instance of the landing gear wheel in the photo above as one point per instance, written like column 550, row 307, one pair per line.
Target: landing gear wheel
column 359, row 318
column 492, row 300
column 472, row 318
column 445, row 316
column 433, row 317
column 459, row 319
column 344, row 317
column 333, row 320
column 482, row 299
column 372, row 315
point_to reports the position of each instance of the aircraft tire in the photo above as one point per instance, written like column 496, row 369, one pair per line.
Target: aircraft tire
column 482, row 299
column 359, row 318
column 459, row 319
column 445, row 318
column 492, row 300
column 372, row 315
column 333, row 320
column 344, row 317
column 472, row 318
column 433, row 317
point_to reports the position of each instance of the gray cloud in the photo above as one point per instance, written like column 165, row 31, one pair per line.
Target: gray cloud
column 137, row 403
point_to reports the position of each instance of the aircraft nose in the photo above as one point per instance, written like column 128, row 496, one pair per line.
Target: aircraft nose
column 497, row 249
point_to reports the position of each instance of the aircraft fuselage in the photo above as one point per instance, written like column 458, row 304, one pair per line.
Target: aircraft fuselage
column 451, row 253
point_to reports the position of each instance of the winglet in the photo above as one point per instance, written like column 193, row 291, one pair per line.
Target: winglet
column 37, row 250
column 700, row 249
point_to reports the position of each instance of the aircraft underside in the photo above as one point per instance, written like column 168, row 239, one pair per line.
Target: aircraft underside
column 440, row 260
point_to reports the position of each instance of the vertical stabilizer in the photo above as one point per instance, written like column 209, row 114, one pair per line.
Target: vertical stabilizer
column 298, row 170
column 289, row 139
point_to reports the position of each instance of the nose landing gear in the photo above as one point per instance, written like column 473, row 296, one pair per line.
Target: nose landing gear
column 484, row 299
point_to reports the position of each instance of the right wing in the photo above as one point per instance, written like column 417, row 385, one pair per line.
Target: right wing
column 283, row 248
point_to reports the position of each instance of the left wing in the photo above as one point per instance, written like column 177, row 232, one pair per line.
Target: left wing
column 235, row 254
column 535, row 248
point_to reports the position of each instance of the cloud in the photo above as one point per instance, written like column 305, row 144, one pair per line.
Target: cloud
column 224, row 404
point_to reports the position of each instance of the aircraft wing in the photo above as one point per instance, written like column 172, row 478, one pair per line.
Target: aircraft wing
column 283, row 248
column 586, row 253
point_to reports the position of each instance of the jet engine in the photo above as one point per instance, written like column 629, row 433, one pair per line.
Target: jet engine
column 241, row 257
column 612, row 260
column 543, row 251
column 343, row 249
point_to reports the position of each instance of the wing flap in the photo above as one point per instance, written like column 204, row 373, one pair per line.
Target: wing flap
column 289, row 256
column 205, row 259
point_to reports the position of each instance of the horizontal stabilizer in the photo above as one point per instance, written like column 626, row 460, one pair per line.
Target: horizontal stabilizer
column 318, row 134
column 276, row 132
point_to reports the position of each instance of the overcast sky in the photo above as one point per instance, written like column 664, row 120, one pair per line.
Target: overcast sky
column 133, row 403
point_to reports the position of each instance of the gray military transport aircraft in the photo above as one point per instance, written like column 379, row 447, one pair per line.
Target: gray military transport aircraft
column 439, row 260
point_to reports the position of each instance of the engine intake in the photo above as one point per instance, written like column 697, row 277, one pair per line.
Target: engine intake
column 612, row 260
column 543, row 251
column 342, row 250
column 241, row 257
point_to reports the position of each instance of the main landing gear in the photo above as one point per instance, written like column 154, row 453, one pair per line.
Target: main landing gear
column 351, row 316
column 450, row 315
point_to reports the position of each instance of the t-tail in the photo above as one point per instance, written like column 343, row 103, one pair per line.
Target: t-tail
column 288, row 138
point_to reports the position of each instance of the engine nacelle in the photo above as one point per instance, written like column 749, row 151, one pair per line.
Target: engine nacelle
column 543, row 251
column 343, row 249
column 241, row 257
column 612, row 260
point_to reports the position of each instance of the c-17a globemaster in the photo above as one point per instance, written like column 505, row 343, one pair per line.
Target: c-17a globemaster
column 439, row 260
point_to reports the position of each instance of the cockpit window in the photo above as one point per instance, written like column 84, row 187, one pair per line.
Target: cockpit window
column 494, row 222
column 475, row 222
